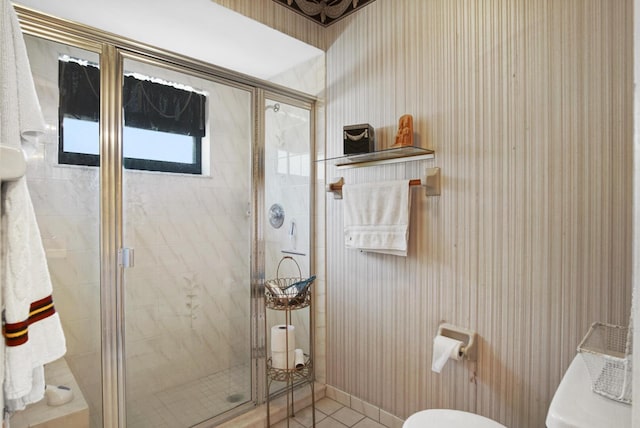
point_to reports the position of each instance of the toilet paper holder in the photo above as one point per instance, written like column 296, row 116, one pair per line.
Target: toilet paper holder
column 468, row 337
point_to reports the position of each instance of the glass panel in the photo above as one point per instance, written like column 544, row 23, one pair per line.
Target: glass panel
column 287, row 194
column 156, row 145
column 81, row 136
column 187, row 298
column 67, row 206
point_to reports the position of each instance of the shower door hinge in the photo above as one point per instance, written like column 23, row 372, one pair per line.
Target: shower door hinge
column 125, row 257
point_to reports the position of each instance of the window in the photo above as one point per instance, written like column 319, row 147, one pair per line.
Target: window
column 163, row 124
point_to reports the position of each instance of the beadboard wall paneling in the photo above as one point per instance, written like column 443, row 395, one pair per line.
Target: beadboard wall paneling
column 528, row 105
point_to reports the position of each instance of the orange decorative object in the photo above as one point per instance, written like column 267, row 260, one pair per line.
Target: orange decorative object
column 404, row 137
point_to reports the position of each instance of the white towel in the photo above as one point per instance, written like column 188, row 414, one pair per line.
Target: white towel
column 32, row 330
column 20, row 114
column 376, row 216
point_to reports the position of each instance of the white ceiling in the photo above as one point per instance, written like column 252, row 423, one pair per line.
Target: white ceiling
column 199, row 29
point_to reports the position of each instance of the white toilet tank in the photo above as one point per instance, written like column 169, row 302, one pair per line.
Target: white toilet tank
column 445, row 418
column 575, row 405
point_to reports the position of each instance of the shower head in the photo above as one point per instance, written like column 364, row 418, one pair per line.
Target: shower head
column 275, row 107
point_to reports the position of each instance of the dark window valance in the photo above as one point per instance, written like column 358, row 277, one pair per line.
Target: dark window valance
column 147, row 105
column 79, row 88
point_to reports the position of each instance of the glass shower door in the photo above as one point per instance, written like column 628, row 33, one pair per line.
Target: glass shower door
column 66, row 200
column 288, row 194
column 187, row 215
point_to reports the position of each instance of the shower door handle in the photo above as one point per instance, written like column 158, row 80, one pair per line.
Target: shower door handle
column 125, row 257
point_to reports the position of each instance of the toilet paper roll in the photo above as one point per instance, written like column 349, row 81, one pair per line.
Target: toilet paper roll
column 299, row 359
column 283, row 338
column 444, row 348
column 279, row 359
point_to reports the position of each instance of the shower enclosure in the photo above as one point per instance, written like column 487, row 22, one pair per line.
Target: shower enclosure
column 158, row 244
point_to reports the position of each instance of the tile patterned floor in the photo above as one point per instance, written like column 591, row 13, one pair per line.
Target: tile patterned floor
column 329, row 414
column 193, row 402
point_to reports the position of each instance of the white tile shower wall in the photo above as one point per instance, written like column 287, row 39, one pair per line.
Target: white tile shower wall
column 309, row 76
column 527, row 104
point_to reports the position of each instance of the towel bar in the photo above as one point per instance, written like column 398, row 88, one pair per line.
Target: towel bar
column 431, row 182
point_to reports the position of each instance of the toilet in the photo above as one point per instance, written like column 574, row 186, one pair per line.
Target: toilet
column 574, row 405
column 446, row 418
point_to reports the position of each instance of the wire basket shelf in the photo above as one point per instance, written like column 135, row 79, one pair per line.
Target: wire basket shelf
column 288, row 293
column 285, row 375
column 606, row 351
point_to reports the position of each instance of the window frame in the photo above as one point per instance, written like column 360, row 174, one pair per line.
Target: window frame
column 90, row 159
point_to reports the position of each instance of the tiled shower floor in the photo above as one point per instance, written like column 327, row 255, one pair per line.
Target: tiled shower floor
column 191, row 403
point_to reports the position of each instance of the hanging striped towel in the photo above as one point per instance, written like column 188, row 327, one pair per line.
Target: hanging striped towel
column 31, row 326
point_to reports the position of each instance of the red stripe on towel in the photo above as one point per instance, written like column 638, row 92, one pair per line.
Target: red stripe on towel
column 17, row 333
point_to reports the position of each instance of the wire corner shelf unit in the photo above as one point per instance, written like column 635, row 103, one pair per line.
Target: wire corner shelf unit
column 287, row 295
